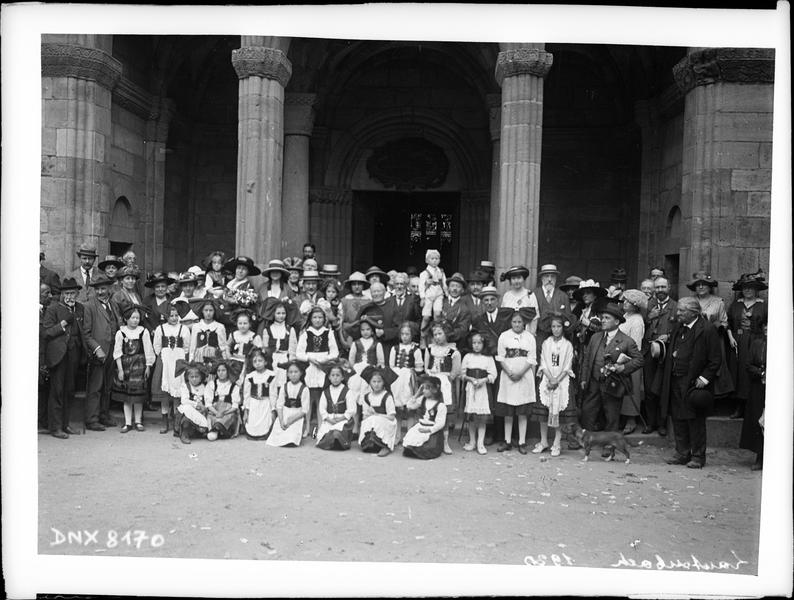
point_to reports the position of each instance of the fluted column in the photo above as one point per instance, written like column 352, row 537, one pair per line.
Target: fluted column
column 726, row 170
column 520, row 71
column 78, row 75
column 263, row 73
column 298, row 124
column 495, row 126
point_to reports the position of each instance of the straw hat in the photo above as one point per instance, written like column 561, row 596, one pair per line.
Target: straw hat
column 701, row 277
column 519, row 270
column 86, row 249
column 275, row 265
column 548, row 270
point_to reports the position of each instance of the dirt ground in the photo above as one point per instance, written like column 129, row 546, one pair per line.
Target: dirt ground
column 239, row 499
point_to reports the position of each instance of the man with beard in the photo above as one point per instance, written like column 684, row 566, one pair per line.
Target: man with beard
column 658, row 323
column 455, row 310
column 551, row 299
column 388, row 334
column 405, row 306
column 63, row 331
column 476, row 281
column 101, row 321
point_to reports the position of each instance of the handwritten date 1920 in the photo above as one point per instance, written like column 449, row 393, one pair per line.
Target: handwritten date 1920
column 549, row 560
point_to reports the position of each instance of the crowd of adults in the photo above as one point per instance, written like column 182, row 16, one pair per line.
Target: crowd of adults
column 642, row 359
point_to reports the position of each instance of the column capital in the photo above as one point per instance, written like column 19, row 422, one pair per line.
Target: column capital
column 494, row 102
column 732, row 65
column 258, row 61
column 68, row 60
column 523, row 61
column 299, row 113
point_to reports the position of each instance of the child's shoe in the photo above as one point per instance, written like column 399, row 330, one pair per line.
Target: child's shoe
column 384, row 452
column 126, row 428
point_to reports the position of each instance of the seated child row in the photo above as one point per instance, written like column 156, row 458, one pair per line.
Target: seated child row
column 275, row 385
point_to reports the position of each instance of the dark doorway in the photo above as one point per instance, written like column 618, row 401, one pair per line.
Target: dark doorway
column 393, row 230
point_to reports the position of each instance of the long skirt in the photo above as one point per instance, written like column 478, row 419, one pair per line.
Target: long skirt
column 133, row 388
column 417, row 444
column 335, row 437
column 228, row 425
column 260, row 418
column 377, row 431
column 206, row 354
column 752, row 437
column 292, row 434
column 191, row 413
column 539, row 412
column 478, row 400
column 724, row 383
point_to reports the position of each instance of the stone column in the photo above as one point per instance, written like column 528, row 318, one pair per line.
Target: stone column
column 78, row 75
column 263, row 72
column 154, row 147
column 727, row 160
column 520, row 71
column 495, row 125
column 298, row 123
column 331, row 226
column 646, row 116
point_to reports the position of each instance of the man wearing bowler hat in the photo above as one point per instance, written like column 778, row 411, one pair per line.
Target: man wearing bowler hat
column 63, row 332
column 101, row 321
column 551, row 299
column 476, row 281
column 86, row 272
column 690, row 368
column 610, row 357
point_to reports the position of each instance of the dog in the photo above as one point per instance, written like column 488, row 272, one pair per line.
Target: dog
column 612, row 440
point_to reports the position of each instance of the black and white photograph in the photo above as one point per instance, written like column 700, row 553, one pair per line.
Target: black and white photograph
column 397, row 300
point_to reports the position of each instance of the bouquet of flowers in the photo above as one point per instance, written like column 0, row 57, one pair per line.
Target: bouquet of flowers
column 244, row 297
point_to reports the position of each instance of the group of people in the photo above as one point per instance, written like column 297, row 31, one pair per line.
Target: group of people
column 287, row 351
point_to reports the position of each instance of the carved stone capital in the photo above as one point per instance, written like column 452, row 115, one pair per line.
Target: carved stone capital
column 733, row 65
column 258, row 61
column 494, row 102
column 299, row 113
column 523, row 61
column 66, row 60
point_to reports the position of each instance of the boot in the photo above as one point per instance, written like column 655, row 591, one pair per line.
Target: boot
column 165, row 427
column 184, row 436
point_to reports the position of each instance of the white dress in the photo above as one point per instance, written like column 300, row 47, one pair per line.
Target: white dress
column 515, row 350
column 406, row 361
column 166, row 347
column 556, row 357
column 293, row 399
column 192, row 402
column 375, row 408
column 477, row 397
column 259, row 398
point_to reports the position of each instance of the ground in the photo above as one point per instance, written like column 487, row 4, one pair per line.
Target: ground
column 242, row 500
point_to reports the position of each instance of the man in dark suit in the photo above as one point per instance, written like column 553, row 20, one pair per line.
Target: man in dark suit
column 600, row 358
column 49, row 277
column 101, row 321
column 63, row 331
column 86, row 272
column 476, row 281
column 404, row 306
column 659, row 322
column 551, row 299
column 455, row 310
column 692, row 362
column 382, row 311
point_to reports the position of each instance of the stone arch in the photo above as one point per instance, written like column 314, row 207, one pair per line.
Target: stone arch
column 346, row 157
column 121, row 229
column 673, row 226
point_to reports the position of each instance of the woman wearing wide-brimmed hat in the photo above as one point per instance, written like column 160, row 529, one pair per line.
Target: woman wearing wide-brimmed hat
column 352, row 302
column 635, row 303
column 518, row 296
column 713, row 308
column 744, row 318
column 294, row 266
column 158, row 303
column 127, row 295
column 569, row 287
column 111, row 266
column 586, row 294
column 275, row 287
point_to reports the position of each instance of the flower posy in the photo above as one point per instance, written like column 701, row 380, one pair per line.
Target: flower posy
column 244, row 297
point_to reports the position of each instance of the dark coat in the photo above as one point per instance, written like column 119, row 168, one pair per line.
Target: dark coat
column 85, row 291
column 52, row 279
column 702, row 347
column 98, row 329
column 157, row 314
column 659, row 322
column 491, row 331
column 621, row 343
column 476, row 307
column 55, row 335
column 459, row 317
column 409, row 311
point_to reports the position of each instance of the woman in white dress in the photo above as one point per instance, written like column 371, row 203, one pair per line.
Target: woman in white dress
column 519, row 296
column 259, row 397
column 379, row 424
column 291, row 409
column 517, row 353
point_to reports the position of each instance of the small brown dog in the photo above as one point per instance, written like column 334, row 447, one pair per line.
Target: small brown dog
column 614, row 439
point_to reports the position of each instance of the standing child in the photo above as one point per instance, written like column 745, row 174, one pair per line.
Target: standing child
column 365, row 352
column 432, row 285
column 516, row 351
column 222, row 399
column 171, row 342
column 379, row 425
column 242, row 341
column 208, row 336
column 555, row 406
column 337, row 408
column 213, row 265
column 425, row 439
column 192, row 407
column 279, row 338
column 134, row 358
column 442, row 359
column 331, row 303
column 405, row 359
column 316, row 346
column 259, row 396
column 292, row 407
column 479, row 373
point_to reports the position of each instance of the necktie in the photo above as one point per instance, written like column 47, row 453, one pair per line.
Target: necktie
column 87, row 277
column 548, row 296
column 491, row 318
column 476, row 302
column 400, row 302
